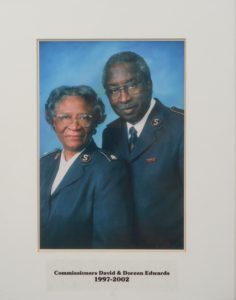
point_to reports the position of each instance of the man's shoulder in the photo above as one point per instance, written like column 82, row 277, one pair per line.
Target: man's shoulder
column 178, row 111
column 171, row 118
column 176, row 116
column 173, row 115
column 173, row 110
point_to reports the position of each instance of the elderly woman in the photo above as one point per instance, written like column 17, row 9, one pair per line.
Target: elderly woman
column 84, row 192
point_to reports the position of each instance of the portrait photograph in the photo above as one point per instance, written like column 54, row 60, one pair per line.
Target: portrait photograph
column 111, row 144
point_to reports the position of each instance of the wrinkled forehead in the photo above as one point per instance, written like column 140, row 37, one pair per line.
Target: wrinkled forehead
column 121, row 73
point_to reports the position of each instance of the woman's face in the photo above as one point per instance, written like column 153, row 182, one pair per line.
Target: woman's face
column 73, row 123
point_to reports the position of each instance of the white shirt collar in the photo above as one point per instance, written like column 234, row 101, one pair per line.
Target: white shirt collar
column 69, row 161
column 139, row 126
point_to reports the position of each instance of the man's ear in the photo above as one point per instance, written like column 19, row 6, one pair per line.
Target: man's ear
column 150, row 84
column 149, row 87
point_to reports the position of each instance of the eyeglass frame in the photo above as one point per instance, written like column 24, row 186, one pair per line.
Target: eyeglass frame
column 77, row 118
column 133, row 83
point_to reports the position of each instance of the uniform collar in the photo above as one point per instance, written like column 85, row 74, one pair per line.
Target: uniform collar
column 140, row 125
column 151, row 132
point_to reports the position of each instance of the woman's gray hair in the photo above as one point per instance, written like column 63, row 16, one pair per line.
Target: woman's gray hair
column 87, row 93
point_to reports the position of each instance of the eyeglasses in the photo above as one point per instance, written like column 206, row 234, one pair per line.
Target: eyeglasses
column 85, row 120
column 132, row 88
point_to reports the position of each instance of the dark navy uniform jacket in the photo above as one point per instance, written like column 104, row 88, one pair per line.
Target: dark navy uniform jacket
column 156, row 165
column 91, row 207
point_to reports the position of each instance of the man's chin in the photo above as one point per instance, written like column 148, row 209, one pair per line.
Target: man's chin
column 130, row 118
column 127, row 115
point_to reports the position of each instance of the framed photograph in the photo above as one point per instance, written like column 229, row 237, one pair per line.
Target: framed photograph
column 149, row 98
column 205, row 269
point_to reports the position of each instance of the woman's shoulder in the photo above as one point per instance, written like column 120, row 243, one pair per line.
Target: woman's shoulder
column 108, row 166
column 98, row 156
column 94, row 154
column 108, row 156
column 53, row 155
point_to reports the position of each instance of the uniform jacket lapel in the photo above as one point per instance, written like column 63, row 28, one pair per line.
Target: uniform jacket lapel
column 151, row 132
column 121, row 139
column 51, row 173
column 76, row 170
column 74, row 173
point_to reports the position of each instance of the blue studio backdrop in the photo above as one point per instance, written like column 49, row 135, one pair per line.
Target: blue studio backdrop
column 82, row 62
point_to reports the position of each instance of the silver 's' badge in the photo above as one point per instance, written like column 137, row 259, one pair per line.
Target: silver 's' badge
column 155, row 122
column 85, row 158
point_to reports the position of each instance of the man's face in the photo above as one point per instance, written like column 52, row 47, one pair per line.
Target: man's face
column 128, row 93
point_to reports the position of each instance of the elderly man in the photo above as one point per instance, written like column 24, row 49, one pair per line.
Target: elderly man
column 150, row 137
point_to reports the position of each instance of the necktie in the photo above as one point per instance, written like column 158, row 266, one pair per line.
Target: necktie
column 133, row 138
